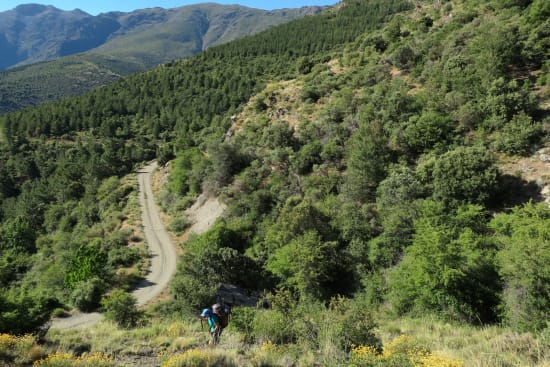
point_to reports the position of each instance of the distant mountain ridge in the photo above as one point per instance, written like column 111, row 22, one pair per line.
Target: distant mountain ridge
column 47, row 53
column 32, row 32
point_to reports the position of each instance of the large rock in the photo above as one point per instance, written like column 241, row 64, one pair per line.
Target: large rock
column 236, row 296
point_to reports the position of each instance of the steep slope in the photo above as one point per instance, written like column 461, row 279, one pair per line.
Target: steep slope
column 359, row 151
column 59, row 162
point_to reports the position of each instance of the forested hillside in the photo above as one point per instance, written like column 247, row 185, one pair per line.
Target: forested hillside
column 53, row 53
column 360, row 153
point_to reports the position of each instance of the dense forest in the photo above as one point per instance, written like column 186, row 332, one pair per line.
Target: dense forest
column 359, row 152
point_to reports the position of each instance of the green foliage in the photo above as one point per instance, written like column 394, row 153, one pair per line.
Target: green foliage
column 538, row 11
column 503, row 102
column 18, row 235
column 369, row 156
column 354, row 323
column 351, row 323
column 518, row 136
column 396, row 202
column 242, row 319
column 227, row 161
column 12, row 265
column 404, row 57
column 307, row 156
column 186, row 171
column 210, row 260
column 121, row 308
column 449, row 267
column 428, row 132
column 22, row 312
column 179, row 225
column 87, row 262
column 86, row 294
column 524, row 237
column 306, row 264
column 465, row 174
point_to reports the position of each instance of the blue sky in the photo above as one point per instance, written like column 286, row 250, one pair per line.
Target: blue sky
column 101, row 6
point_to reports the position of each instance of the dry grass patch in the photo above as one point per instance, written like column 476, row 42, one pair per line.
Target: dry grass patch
column 489, row 346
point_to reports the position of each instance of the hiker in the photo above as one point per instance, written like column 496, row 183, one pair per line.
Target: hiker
column 223, row 312
column 213, row 325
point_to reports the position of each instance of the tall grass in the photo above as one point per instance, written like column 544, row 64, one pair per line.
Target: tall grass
column 421, row 342
column 487, row 346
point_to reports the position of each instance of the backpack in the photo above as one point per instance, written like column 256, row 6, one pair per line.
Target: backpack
column 224, row 316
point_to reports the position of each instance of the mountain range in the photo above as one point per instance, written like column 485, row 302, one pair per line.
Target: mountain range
column 86, row 51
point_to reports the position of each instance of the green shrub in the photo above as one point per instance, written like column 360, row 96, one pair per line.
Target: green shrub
column 354, row 323
column 308, row 155
column 242, row 320
column 465, row 174
column 121, row 308
column 86, row 295
column 523, row 264
column 518, row 136
column 211, row 259
column 87, row 262
column 449, row 268
column 404, row 57
column 431, row 130
column 179, row 225
column 274, row 326
column 124, row 256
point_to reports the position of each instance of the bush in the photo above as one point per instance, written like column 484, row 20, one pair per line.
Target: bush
column 124, row 256
column 404, row 57
column 120, row 307
column 87, row 262
column 354, row 323
column 87, row 294
column 333, row 329
column 449, row 268
column 16, row 348
column 242, row 320
column 518, row 136
column 274, row 326
column 179, row 224
column 466, row 174
column 430, row 130
column 308, row 155
column 211, row 259
column 523, row 264
column 403, row 351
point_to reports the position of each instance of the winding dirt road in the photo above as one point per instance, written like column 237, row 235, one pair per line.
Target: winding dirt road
column 162, row 252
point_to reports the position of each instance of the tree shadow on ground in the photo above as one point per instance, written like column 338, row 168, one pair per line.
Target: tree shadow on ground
column 516, row 191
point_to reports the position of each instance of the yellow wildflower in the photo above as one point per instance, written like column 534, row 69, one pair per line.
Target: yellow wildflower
column 190, row 358
column 55, row 360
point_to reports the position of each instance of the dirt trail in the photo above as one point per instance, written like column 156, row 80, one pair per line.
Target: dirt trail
column 162, row 251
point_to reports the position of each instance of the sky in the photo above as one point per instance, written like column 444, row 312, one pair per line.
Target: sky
column 95, row 7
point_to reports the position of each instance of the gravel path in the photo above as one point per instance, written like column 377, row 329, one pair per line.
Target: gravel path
column 162, row 252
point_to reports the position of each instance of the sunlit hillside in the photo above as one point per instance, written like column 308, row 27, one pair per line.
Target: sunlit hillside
column 384, row 166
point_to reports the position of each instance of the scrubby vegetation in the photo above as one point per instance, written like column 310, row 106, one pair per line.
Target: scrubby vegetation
column 359, row 152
